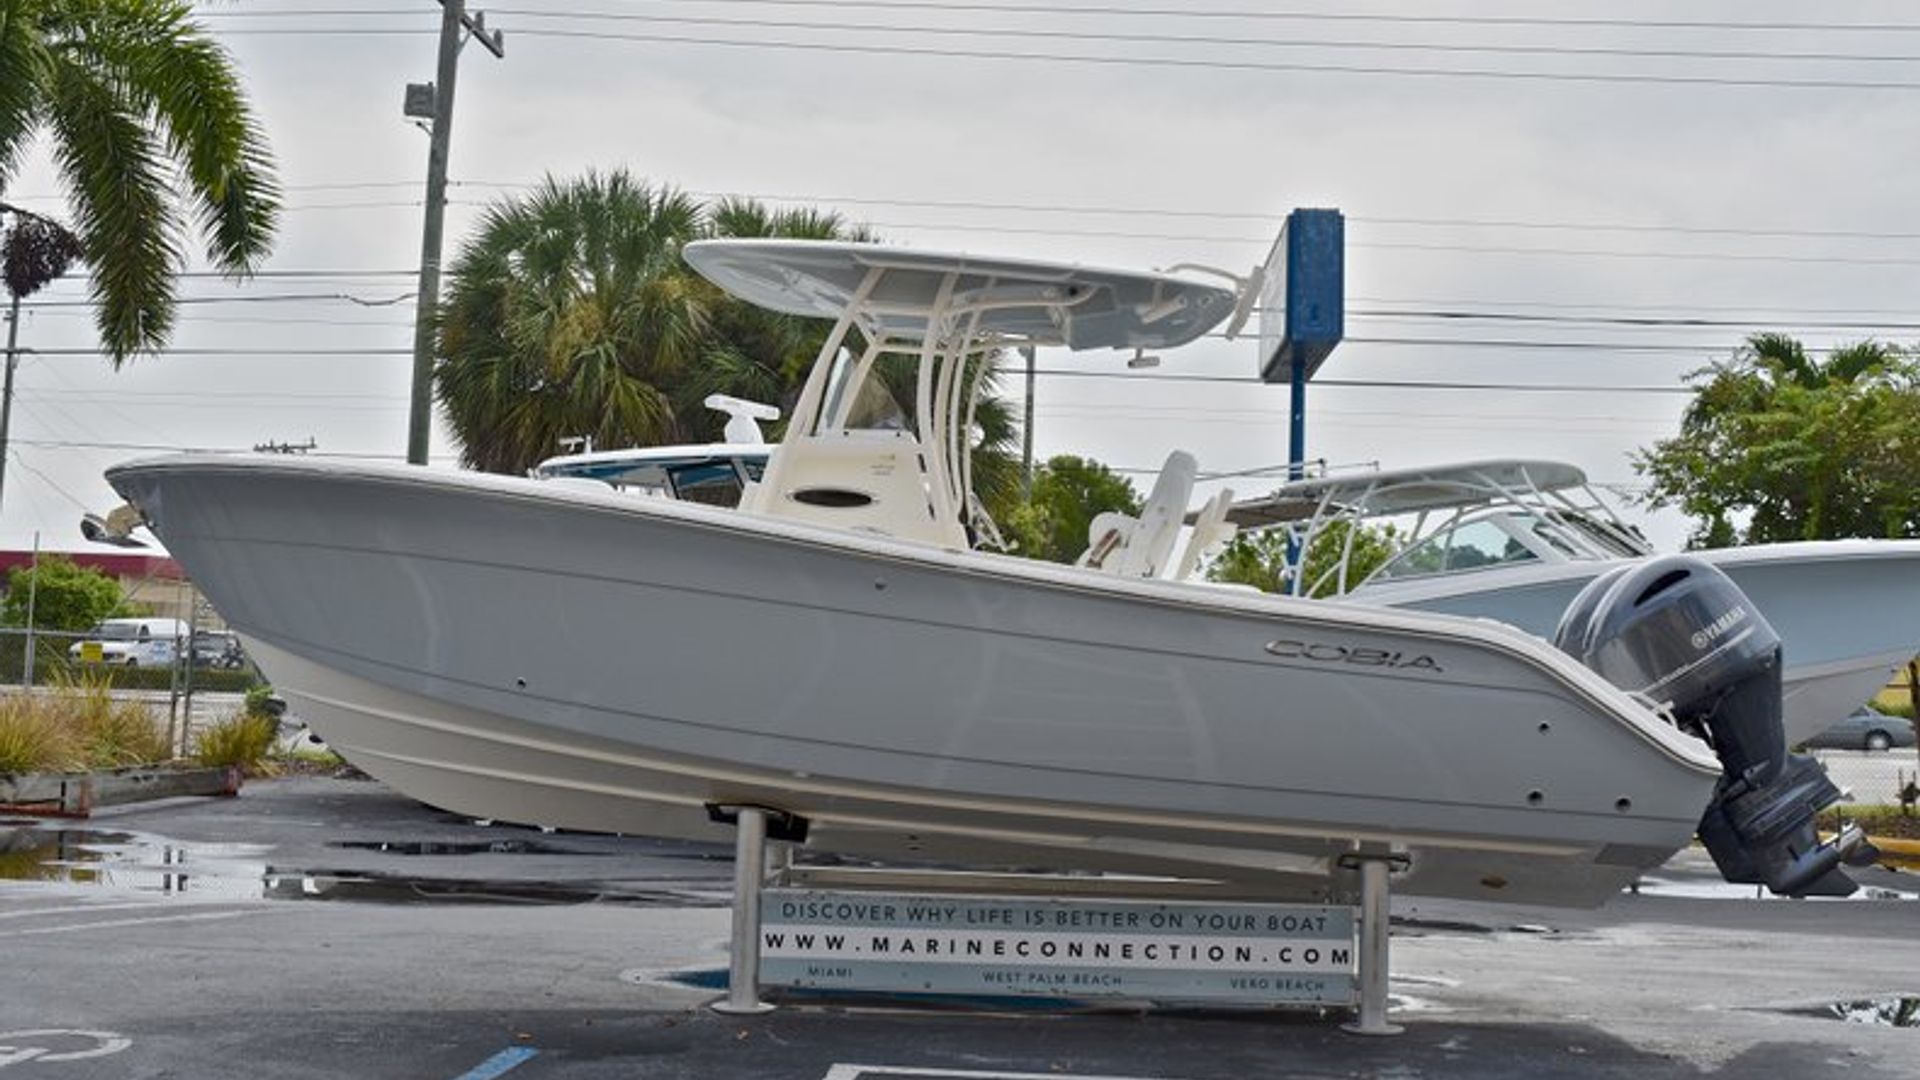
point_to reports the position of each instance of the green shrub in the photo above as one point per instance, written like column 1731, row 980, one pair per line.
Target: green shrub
column 112, row 733
column 161, row 678
column 257, row 698
column 242, row 739
column 75, row 726
column 32, row 739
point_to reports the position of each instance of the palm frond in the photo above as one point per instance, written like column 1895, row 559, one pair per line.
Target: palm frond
column 169, row 68
column 23, row 64
column 126, row 223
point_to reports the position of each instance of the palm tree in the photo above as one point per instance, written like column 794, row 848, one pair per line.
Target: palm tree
column 569, row 314
column 132, row 94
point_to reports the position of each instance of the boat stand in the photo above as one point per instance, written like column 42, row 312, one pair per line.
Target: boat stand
column 754, row 862
column 1374, row 867
column 751, row 865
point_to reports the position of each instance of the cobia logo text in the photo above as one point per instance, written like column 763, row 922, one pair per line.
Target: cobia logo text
column 1324, row 653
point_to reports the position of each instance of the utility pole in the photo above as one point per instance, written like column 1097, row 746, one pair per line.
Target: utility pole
column 6, row 396
column 1026, row 430
column 437, row 96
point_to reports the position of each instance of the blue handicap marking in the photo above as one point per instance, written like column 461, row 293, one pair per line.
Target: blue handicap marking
column 499, row 1064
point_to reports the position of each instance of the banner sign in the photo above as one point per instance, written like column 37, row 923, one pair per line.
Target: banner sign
column 988, row 945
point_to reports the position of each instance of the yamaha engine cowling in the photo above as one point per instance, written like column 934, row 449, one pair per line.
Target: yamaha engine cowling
column 1679, row 633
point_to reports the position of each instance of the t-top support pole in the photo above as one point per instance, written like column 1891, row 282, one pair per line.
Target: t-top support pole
column 1374, row 917
column 743, row 953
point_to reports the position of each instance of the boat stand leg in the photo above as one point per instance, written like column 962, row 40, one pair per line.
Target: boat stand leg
column 1373, row 949
column 743, row 954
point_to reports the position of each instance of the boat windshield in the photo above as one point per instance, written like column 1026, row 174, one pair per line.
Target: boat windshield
column 1467, row 546
column 715, row 483
column 1614, row 539
column 1505, row 537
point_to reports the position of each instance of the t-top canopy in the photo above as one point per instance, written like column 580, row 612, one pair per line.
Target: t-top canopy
column 1017, row 300
column 1406, row 491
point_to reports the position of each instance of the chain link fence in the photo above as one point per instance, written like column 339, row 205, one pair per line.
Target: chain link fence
column 185, row 688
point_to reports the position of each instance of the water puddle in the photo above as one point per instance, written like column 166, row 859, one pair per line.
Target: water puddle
column 135, row 863
column 478, row 847
column 1898, row 1011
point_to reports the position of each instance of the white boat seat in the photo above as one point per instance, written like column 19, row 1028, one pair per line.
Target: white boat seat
column 1143, row 547
column 1210, row 529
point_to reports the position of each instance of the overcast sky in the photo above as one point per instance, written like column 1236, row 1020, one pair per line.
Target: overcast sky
column 1748, row 190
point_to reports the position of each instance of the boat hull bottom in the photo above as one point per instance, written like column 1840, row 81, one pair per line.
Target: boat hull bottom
column 489, row 766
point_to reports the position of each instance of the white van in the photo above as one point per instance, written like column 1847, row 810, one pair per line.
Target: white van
column 132, row 642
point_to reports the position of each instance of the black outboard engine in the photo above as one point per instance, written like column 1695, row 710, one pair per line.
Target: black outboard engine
column 1680, row 633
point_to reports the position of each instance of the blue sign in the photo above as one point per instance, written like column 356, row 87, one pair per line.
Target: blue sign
column 1303, row 300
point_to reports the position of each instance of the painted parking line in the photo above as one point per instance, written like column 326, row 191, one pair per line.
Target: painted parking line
column 890, row 1072
column 68, row 909
column 56, row 1044
column 499, row 1064
column 111, row 924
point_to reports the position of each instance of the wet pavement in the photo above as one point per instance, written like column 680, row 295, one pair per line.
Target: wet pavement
column 191, row 940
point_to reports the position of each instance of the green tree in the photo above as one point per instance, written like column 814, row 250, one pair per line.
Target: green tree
column 147, row 124
column 1778, row 446
column 66, row 596
column 1260, row 558
column 1068, row 493
column 570, row 312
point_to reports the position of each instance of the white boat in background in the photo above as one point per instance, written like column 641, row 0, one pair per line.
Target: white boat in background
column 835, row 651
column 1516, row 540
column 711, row 473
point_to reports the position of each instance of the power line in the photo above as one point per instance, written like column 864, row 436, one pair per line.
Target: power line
column 45, row 479
column 275, row 351
column 1552, row 305
column 1228, row 65
column 250, row 395
column 396, row 406
column 74, row 444
column 1265, row 217
column 1182, row 39
column 1274, row 219
column 1613, row 320
column 270, row 298
column 1387, row 245
column 267, row 320
column 271, row 275
column 942, row 6
column 1384, row 384
column 1566, row 346
column 1414, row 342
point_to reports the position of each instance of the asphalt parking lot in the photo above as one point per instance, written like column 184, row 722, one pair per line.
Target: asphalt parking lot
column 318, row 927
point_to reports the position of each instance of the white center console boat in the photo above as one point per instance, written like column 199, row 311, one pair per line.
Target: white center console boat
column 837, row 652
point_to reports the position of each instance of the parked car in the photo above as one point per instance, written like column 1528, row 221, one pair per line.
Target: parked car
column 217, row 649
column 1866, row 729
column 131, row 642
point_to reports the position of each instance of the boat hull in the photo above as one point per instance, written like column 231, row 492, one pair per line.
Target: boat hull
column 1847, row 611
column 512, row 650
